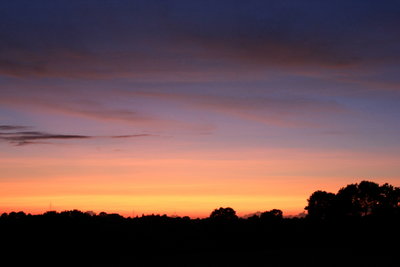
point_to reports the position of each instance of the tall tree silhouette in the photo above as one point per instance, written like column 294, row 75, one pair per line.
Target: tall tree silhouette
column 346, row 202
column 369, row 197
column 320, row 205
column 389, row 200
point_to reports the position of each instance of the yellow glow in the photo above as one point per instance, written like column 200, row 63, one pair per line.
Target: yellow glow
column 192, row 186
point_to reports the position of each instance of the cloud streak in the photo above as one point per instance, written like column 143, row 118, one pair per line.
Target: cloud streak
column 89, row 109
column 21, row 138
column 283, row 111
column 93, row 107
column 12, row 127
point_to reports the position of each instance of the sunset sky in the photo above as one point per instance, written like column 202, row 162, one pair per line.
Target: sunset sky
column 181, row 107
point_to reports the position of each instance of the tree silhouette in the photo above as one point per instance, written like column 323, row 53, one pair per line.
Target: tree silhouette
column 389, row 200
column 273, row 215
column 355, row 200
column 223, row 214
column 346, row 202
column 368, row 197
column 320, row 205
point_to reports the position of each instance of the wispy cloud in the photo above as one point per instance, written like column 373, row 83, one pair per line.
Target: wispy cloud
column 266, row 108
column 97, row 107
column 89, row 109
column 131, row 135
column 20, row 138
column 284, row 111
column 13, row 127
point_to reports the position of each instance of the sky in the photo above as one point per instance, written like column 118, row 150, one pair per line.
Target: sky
column 180, row 107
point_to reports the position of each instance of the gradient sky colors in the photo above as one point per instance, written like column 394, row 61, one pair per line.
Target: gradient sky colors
column 180, row 107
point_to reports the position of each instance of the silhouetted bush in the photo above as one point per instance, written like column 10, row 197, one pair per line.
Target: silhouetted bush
column 224, row 214
column 273, row 215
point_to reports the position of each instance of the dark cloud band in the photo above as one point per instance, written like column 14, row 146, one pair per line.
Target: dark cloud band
column 13, row 128
column 21, row 138
column 153, row 37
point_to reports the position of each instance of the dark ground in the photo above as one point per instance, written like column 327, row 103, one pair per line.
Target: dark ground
column 81, row 240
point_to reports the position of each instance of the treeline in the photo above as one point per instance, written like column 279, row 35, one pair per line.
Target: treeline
column 218, row 215
column 366, row 199
column 357, row 226
column 354, row 201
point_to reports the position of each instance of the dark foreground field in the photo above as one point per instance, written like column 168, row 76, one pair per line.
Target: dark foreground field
column 358, row 226
column 78, row 239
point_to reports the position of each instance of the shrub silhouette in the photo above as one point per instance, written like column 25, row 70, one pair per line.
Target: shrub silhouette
column 223, row 214
column 273, row 215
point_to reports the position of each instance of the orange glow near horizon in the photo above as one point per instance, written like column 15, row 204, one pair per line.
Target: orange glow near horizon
column 184, row 187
